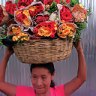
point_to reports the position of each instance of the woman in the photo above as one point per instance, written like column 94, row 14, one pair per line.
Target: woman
column 42, row 76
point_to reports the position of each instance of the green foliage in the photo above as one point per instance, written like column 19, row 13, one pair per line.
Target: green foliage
column 53, row 7
column 77, row 36
column 16, row 1
column 4, row 39
column 2, row 33
column 7, row 41
column 73, row 2
column 89, row 11
column 81, row 26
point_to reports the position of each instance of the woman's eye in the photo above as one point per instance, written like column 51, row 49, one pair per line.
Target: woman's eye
column 34, row 77
column 44, row 78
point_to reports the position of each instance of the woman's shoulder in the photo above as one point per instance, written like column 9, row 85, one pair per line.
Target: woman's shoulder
column 58, row 90
column 59, row 87
column 23, row 90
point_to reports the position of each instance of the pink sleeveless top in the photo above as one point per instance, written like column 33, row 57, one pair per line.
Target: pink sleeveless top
column 29, row 91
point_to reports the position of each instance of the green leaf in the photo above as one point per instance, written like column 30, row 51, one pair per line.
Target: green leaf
column 53, row 7
column 77, row 36
column 81, row 25
column 89, row 11
column 16, row 1
column 74, row 2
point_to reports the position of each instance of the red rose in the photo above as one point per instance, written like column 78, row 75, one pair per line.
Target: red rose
column 45, row 29
column 66, row 14
column 68, row 1
column 50, row 1
column 47, row 1
column 10, row 7
column 1, row 14
column 35, row 9
column 20, row 17
column 58, row 1
column 24, row 3
column 41, row 18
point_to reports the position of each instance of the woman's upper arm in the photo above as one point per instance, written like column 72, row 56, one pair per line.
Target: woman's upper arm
column 72, row 86
column 8, row 89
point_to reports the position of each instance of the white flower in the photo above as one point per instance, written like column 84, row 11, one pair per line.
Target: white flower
column 52, row 17
column 59, row 6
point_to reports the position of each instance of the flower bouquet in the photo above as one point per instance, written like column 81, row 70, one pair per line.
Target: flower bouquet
column 41, row 31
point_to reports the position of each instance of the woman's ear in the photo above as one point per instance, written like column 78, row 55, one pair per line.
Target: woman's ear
column 53, row 76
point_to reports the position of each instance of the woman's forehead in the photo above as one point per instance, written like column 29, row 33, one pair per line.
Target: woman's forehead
column 40, row 71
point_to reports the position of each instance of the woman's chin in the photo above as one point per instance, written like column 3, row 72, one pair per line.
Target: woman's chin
column 40, row 91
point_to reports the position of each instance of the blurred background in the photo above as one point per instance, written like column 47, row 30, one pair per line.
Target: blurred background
column 18, row 73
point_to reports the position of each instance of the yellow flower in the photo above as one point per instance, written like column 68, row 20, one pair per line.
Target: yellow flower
column 66, row 29
column 27, row 22
column 18, row 12
column 16, row 30
column 81, row 5
column 71, row 34
column 55, row 26
column 15, row 38
column 24, row 39
column 23, row 34
column 26, row 12
column 44, row 31
column 32, row 8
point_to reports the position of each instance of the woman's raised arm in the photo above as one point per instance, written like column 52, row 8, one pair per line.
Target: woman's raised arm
column 74, row 84
column 5, row 87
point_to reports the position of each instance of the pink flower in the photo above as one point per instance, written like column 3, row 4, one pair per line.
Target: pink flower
column 79, row 13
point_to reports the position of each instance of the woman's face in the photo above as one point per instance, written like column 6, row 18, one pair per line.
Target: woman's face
column 41, row 79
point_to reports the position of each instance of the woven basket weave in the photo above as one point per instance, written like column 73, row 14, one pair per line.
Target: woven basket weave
column 43, row 51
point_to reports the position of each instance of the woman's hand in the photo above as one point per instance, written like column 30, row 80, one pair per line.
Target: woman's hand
column 78, row 46
column 9, row 51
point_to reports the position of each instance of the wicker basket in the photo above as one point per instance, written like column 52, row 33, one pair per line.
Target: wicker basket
column 43, row 50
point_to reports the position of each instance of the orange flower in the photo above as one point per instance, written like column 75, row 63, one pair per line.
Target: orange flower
column 66, row 29
column 44, row 31
column 22, row 16
column 14, row 30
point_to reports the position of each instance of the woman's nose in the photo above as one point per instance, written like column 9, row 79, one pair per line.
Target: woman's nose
column 39, row 81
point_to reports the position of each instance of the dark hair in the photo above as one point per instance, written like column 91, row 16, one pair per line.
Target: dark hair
column 49, row 66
